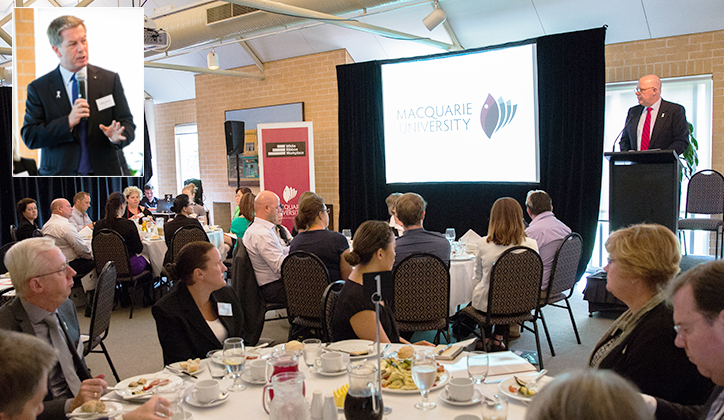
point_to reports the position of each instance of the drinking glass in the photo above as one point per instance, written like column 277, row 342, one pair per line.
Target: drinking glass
column 312, row 351
column 347, row 234
column 450, row 234
column 234, row 358
column 424, row 373
column 495, row 410
column 478, row 366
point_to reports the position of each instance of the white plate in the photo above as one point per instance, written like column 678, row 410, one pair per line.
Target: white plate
column 462, row 258
column 246, row 377
column 111, row 408
column 192, row 401
column 124, row 392
column 440, row 384
column 318, row 370
column 177, row 366
column 347, row 346
column 477, row 397
column 503, row 386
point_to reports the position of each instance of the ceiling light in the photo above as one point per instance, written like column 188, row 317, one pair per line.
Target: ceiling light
column 213, row 60
column 434, row 19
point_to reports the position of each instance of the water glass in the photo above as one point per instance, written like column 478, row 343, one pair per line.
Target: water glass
column 450, row 234
column 312, row 351
column 495, row 410
column 347, row 234
column 234, row 358
column 424, row 374
column 478, row 366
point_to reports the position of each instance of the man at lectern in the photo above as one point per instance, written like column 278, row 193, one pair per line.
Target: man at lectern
column 654, row 123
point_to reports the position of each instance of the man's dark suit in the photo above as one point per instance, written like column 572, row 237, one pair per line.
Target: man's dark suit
column 183, row 331
column 670, row 411
column 671, row 132
column 14, row 318
column 46, row 124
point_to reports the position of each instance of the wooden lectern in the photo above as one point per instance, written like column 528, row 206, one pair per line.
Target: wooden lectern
column 644, row 188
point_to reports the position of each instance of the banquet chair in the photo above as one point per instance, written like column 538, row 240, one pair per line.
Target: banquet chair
column 329, row 303
column 421, row 300
column 705, row 195
column 185, row 235
column 514, row 292
column 243, row 281
column 6, row 296
column 4, row 249
column 305, row 277
column 101, row 315
column 109, row 245
column 563, row 279
column 13, row 233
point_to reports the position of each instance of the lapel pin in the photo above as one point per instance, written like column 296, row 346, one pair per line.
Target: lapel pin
column 57, row 94
column 662, row 115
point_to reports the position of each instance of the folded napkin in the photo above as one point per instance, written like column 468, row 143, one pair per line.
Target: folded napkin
column 506, row 362
column 86, row 232
column 470, row 237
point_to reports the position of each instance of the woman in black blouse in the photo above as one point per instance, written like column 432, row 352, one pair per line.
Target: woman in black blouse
column 28, row 226
column 183, row 207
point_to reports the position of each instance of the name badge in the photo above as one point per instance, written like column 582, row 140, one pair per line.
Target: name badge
column 225, row 309
column 105, row 102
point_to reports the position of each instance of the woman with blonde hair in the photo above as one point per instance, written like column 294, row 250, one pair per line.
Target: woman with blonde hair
column 134, row 210
column 639, row 345
column 505, row 230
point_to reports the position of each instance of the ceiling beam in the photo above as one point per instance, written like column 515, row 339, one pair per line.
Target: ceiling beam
column 254, row 56
column 7, row 18
column 285, row 9
column 203, row 70
column 5, row 37
column 54, row 3
column 6, row 51
column 84, row 3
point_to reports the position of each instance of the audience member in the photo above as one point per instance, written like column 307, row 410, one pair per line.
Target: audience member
column 391, row 202
column 190, row 190
column 203, row 311
column 26, row 362
column 79, row 215
column 246, row 216
column 297, row 229
column 265, row 249
column 329, row 246
column 639, row 345
column 697, row 296
column 66, row 237
column 183, row 208
column 28, row 226
column 505, row 230
column 134, row 211
column 410, row 212
column 148, row 199
column 240, row 192
column 588, row 394
column 115, row 221
column 42, row 281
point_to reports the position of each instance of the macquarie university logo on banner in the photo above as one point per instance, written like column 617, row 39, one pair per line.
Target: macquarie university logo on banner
column 496, row 115
column 289, row 193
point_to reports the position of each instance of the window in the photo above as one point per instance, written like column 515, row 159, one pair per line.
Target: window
column 187, row 153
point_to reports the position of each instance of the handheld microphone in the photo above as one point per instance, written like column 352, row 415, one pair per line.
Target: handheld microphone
column 80, row 76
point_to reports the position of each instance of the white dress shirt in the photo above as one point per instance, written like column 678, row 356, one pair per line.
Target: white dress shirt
column 66, row 238
column 79, row 220
column 265, row 251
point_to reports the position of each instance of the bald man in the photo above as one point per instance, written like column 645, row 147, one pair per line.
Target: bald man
column 66, row 237
column 265, row 249
column 654, row 123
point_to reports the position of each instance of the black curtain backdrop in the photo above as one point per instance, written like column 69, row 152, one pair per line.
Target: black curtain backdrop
column 45, row 189
column 571, row 97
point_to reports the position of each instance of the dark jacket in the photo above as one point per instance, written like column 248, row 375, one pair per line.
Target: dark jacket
column 27, row 230
column 670, row 411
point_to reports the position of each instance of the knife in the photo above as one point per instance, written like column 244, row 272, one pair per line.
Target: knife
column 444, row 350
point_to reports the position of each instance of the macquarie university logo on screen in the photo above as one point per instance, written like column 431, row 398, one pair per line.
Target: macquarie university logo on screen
column 496, row 115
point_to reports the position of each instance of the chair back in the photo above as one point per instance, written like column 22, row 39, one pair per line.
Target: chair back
column 422, row 289
column 515, row 281
column 5, row 296
column 565, row 265
column 102, row 307
column 184, row 235
column 305, row 277
column 3, row 250
column 109, row 245
column 243, row 281
column 705, row 193
column 13, row 233
column 329, row 304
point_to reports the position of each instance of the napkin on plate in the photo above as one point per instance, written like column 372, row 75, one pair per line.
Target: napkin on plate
column 86, row 232
column 470, row 237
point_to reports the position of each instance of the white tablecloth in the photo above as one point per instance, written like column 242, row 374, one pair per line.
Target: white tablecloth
column 247, row 403
column 154, row 250
column 461, row 283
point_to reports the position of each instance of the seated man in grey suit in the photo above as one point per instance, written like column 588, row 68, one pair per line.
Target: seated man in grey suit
column 697, row 296
column 42, row 280
column 410, row 213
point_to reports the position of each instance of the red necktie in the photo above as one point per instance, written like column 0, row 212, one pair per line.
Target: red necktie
column 646, row 133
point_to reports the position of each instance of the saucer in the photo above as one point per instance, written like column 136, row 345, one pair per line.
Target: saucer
column 318, row 370
column 192, row 401
column 477, row 397
column 246, row 377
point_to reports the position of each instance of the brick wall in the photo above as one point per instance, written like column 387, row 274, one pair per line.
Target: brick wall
column 685, row 55
column 24, row 65
column 310, row 79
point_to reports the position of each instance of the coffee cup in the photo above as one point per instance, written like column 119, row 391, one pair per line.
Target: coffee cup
column 258, row 370
column 206, row 391
column 331, row 362
column 460, row 389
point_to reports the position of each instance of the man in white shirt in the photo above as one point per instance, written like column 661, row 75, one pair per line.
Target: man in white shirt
column 79, row 215
column 66, row 237
column 265, row 249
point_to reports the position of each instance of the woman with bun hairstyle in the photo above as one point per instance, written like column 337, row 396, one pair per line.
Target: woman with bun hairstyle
column 354, row 316
column 202, row 312
column 183, row 207
column 331, row 247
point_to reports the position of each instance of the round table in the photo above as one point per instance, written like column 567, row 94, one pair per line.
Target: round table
column 461, row 282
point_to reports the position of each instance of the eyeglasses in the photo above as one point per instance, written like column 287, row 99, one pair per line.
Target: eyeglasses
column 63, row 270
column 326, row 210
column 639, row 90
